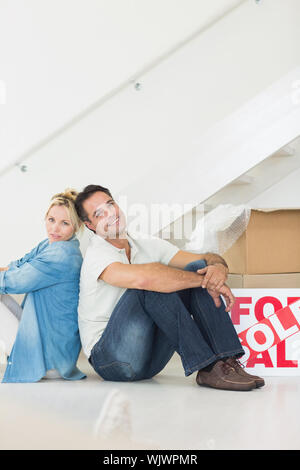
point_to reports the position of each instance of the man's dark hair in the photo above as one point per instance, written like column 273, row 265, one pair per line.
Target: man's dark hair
column 85, row 194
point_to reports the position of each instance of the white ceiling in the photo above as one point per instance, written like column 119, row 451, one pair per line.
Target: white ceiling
column 57, row 57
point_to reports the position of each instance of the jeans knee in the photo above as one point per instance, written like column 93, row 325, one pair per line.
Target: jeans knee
column 116, row 371
column 194, row 265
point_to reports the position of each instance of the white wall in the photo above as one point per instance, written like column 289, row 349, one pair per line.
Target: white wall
column 138, row 133
column 59, row 56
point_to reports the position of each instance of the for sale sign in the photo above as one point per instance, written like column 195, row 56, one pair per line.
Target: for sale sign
column 268, row 324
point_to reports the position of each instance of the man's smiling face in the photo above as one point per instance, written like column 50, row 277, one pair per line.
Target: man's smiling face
column 105, row 216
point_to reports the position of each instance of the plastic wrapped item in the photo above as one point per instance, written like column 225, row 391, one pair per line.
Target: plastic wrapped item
column 218, row 230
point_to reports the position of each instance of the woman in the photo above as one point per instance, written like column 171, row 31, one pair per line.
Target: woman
column 45, row 342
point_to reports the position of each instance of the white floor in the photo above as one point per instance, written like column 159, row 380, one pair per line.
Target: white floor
column 169, row 411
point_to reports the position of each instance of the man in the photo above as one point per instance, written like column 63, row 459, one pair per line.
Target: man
column 142, row 299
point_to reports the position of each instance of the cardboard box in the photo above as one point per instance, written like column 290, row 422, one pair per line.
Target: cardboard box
column 267, row 281
column 269, row 245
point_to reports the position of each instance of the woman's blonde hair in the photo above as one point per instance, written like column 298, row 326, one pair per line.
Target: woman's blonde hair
column 67, row 199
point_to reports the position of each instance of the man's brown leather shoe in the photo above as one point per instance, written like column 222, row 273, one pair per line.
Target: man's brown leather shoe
column 223, row 376
column 238, row 367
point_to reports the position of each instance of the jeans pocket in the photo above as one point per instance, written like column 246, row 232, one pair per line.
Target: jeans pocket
column 116, row 371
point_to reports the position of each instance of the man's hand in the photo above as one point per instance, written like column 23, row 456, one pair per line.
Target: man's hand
column 4, row 269
column 226, row 293
column 215, row 276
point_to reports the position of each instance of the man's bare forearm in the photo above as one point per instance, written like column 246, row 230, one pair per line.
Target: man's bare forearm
column 158, row 277
column 182, row 258
column 213, row 258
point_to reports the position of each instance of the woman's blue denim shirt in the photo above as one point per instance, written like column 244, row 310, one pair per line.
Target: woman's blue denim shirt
column 48, row 336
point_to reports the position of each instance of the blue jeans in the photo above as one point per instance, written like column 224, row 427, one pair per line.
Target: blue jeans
column 146, row 328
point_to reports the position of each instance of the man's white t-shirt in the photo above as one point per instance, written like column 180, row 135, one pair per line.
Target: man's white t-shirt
column 97, row 298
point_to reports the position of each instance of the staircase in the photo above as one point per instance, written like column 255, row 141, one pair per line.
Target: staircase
column 273, row 183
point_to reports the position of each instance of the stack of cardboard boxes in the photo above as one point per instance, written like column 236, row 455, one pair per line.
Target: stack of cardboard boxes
column 267, row 255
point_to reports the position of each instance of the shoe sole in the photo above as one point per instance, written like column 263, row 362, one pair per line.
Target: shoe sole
column 252, row 386
column 259, row 384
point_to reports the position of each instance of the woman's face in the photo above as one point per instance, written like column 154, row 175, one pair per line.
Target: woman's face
column 58, row 224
